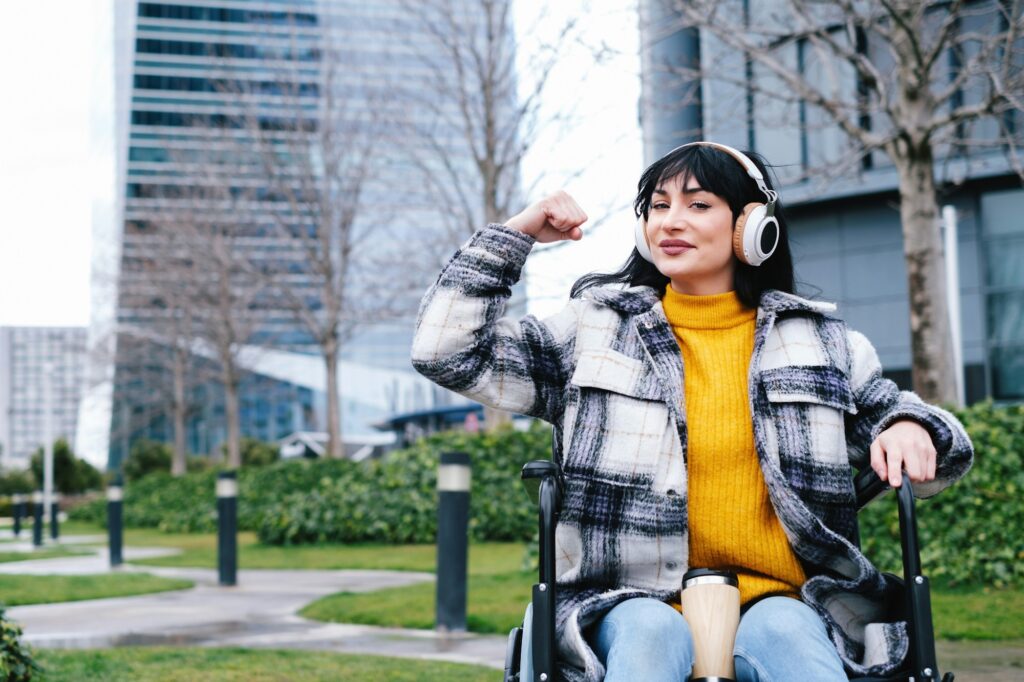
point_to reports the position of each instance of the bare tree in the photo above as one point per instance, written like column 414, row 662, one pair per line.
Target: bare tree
column 476, row 117
column 169, row 339
column 916, row 81
column 153, row 351
column 313, row 148
column 212, row 284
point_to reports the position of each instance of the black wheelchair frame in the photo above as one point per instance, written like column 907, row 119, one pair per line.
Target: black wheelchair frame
column 544, row 483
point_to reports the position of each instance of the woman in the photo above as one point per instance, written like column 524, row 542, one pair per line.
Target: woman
column 704, row 416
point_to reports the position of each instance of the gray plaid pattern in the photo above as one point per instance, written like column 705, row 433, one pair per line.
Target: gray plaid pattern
column 607, row 373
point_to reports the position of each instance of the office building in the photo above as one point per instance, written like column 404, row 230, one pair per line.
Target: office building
column 846, row 235
column 30, row 357
column 196, row 84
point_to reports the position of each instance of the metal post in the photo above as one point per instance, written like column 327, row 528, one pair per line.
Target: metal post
column 453, row 484
column 18, row 511
column 227, row 528
column 115, row 523
column 54, row 513
column 48, row 435
column 953, row 296
column 37, row 511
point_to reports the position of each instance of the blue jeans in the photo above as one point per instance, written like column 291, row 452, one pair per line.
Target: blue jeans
column 779, row 639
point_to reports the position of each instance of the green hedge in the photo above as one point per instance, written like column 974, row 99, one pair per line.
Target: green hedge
column 395, row 499
column 187, row 504
column 972, row 532
column 390, row 500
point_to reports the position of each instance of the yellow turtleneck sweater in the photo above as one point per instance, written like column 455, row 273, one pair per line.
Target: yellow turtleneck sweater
column 732, row 524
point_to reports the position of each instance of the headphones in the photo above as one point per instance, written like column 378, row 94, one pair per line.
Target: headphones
column 756, row 232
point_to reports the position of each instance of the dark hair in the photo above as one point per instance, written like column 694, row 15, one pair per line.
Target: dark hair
column 720, row 174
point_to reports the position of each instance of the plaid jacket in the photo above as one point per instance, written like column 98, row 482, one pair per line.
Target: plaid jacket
column 607, row 373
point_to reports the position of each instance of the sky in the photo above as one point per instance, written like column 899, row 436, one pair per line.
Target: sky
column 57, row 152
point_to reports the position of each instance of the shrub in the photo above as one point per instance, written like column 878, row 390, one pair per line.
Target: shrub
column 972, row 532
column 258, row 453
column 70, row 474
column 16, row 662
column 16, row 481
column 147, row 457
column 390, row 500
column 395, row 499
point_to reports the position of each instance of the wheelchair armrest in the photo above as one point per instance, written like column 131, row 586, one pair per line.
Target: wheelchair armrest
column 535, row 472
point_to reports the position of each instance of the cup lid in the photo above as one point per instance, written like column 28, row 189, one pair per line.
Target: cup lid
column 710, row 575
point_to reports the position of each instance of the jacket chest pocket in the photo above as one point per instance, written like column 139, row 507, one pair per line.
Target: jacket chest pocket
column 808, row 407
column 620, row 418
column 809, row 384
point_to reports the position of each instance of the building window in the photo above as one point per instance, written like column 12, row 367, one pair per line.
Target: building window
column 1003, row 234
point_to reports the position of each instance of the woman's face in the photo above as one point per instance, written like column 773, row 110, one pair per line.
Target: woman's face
column 690, row 233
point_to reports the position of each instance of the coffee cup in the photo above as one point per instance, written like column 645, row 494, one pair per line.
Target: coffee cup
column 711, row 606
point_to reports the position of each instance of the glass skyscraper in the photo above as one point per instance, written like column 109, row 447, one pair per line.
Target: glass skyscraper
column 198, row 83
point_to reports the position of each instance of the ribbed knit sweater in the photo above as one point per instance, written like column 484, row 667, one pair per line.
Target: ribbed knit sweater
column 732, row 524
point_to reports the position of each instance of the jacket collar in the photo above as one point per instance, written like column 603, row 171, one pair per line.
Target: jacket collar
column 630, row 301
column 638, row 300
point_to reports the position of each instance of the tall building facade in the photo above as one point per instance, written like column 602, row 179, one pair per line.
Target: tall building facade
column 30, row 357
column 204, row 90
column 846, row 235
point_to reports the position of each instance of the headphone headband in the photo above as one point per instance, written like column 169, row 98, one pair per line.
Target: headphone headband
column 744, row 160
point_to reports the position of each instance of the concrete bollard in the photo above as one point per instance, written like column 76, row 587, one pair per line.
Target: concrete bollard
column 37, row 518
column 54, row 514
column 115, row 522
column 453, row 484
column 17, row 511
column 227, row 528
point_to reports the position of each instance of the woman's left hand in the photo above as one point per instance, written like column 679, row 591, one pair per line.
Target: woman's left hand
column 904, row 445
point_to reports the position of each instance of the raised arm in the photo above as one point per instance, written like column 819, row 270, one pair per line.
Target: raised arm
column 886, row 432
column 463, row 343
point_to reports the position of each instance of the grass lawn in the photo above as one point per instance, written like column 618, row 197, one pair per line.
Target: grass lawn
column 144, row 664
column 18, row 590
column 978, row 614
column 495, row 604
column 45, row 553
column 200, row 550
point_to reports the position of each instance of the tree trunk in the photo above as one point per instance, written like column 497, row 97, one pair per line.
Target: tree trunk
column 232, row 417
column 335, row 449
column 931, row 340
column 178, row 462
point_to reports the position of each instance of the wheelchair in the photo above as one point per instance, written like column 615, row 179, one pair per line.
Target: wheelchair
column 531, row 649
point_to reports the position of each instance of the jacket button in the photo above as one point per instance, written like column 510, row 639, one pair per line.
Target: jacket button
column 672, row 492
column 671, row 565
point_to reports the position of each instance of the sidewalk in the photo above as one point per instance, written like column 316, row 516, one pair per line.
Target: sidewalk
column 258, row 612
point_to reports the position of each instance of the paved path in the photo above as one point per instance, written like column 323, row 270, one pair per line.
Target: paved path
column 259, row 612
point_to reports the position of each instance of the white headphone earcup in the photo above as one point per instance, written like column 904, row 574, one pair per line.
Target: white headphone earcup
column 768, row 235
column 640, row 237
column 756, row 236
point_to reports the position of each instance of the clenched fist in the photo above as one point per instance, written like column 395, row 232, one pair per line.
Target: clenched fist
column 553, row 218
